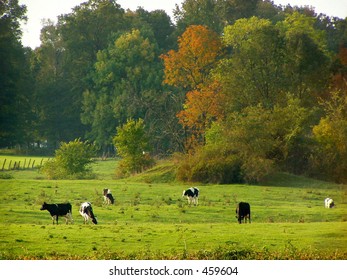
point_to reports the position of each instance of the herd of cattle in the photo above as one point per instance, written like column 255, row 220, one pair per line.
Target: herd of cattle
column 243, row 209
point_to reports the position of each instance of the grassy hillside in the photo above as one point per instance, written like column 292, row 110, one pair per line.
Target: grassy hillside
column 150, row 219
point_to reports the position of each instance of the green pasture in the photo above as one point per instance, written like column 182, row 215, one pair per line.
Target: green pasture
column 10, row 162
column 150, row 219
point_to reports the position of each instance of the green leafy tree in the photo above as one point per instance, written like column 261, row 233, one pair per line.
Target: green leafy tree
column 127, row 84
column 131, row 143
column 294, row 60
column 15, row 78
column 55, row 121
column 253, row 73
column 62, row 63
column 72, row 160
column 159, row 23
column 330, row 157
column 215, row 14
column 198, row 12
column 307, row 58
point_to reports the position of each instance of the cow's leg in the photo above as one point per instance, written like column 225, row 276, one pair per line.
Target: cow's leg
column 68, row 218
column 55, row 218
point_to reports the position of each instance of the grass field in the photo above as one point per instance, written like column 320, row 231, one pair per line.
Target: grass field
column 9, row 162
column 150, row 219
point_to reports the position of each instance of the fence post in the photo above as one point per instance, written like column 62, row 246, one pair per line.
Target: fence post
column 25, row 161
column 33, row 164
column 9, row 167
column 29, row 163
column 3, row 166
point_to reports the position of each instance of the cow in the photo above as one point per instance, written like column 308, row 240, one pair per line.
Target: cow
column 243, row 212
column 86, row 212
column 192, row 195
column 329, row 202
column 56, row 210
column 108, row 197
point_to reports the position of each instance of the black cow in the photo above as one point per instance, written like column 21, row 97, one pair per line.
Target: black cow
column 243, row 211
column 86, row 212
column 192, row 194
column 108, row 197
column 56, row 210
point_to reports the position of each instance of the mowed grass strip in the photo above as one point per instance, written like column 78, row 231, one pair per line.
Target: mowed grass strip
column 151, row 219
column 171, row 241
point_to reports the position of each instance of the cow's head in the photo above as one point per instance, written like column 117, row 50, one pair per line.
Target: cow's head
column 44, row 206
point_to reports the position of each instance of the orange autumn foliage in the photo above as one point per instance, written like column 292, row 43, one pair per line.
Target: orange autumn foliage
column 201, row 108
column 189, row 67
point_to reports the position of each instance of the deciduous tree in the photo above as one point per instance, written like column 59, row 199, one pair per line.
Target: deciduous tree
column 189, row 67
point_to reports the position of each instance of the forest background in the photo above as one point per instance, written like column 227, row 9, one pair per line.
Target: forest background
column 235, row 90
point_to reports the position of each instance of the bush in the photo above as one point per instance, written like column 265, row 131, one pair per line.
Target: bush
column 71, row 161
column 210, row 167
column 256, row 169
column 132, row 145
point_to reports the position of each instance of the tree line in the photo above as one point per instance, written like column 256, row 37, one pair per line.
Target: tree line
column 235, row 89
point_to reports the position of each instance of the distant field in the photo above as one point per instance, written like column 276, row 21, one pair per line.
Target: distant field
column 9, row 162
column 151, row 220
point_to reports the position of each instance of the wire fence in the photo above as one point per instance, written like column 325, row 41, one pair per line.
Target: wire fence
column 25, row 163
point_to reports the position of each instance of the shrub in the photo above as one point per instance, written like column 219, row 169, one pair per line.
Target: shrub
column 71, row 161
column 210, row 167
column 132, row 145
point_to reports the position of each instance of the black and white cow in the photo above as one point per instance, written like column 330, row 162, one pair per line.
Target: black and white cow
column 56, row 210
column 108, row 197
column 243, row 212
column 192, row 195
column 86, row 212
column 329, row 202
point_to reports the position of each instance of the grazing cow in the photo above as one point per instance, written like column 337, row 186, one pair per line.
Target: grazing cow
column 192, row 195
column 243, row 211
column 329, row 202
column 56, row 210
column 108, row 197
column 86, row 212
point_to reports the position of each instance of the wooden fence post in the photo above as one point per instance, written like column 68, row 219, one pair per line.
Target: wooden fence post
column 9, row 167
column 3, row 166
